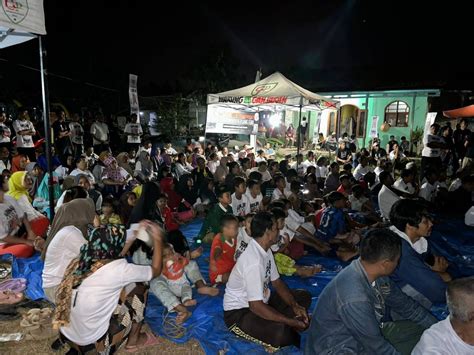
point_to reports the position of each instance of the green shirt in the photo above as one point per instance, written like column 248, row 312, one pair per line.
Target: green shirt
column 212, row 223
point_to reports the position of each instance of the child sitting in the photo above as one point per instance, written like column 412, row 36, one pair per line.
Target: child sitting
column 174, row 274
column 244, row 238
column 254, row 195
column 223, row 250
column 346, row 186
column 212, row 223
column 334, row 229
column 240, row 203
column 285, row 264
column 168, row 218
column 109, row 212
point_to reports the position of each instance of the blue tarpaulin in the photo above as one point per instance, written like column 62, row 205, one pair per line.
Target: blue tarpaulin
column 450, row 238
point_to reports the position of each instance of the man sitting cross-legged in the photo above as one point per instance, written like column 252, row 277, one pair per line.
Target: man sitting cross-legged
column 251, row 310
column 351, row 316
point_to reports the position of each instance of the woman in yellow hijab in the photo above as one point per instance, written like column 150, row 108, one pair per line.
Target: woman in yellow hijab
column 18, row 185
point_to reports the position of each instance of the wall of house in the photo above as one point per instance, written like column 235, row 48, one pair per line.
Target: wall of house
column 418, row 108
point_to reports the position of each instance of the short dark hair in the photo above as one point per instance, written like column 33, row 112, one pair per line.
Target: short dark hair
column 227, row 219
column 238, row 181
column 344, row 177
column 291, row 173
column 232, row 165
column 252, row 183
column 406, row 173
column 384, row 175
column 334, row 196
column 221, row 190
column 295, row 185
column 333, row 165
column 310, row 153
column 278, row 213
column 244, row 161
column 263, row 162
column 261, row 223
column 278, row 178
column 255, row 175
column 405, row 212
column 347, row 166
column 380, row 244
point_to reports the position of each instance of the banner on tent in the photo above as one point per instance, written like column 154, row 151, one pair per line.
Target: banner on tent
column 227, row 120
column 133, row 95
column 373, row 128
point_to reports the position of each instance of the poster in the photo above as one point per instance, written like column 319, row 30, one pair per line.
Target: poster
column 317, row 123
column 133, row 95
column 430, row 118
column 373, row 128
column 230, row 121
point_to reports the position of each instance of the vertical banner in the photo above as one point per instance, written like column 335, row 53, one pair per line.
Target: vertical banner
column 317, row 124
column 373, row 128
column 430, row 118
column 133, row 95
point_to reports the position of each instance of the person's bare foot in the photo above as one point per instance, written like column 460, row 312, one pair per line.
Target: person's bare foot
column 190, row 303
column 183, row 317
column 308, row 271
column 209, row 291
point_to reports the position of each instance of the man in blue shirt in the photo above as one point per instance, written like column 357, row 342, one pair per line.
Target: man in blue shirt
column 422, row 282
column 352, row 314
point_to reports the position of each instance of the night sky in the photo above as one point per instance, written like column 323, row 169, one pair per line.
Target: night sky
column 323, row 45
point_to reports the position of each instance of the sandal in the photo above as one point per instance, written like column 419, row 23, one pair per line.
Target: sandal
column 151, row 340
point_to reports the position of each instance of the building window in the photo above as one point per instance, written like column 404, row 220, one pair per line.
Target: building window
column 361, row 124
column 397, row 113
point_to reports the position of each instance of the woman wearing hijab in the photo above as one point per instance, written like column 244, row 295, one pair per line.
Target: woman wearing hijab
column 182, row 167
column 18, row 187
column 123, row 162
column 187, row 189
column 12, row 217
column 127, row 202
column 65, row 239
column 144, row 166
column 101, row 300
column 41, row 201
column 19, row 163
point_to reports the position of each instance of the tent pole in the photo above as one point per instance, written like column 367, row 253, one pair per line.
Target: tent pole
column 47, row 125
column 298, row 137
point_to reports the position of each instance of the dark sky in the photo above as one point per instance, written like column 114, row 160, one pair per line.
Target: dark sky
column 321, row 44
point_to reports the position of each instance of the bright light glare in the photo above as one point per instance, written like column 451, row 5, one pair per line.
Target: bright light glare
column 275, row 119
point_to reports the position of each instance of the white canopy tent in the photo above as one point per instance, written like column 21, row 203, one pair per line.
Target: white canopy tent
column 21, row 21
column 275, row 92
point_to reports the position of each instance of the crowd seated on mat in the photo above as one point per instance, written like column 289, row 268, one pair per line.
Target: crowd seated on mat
column 119, row 211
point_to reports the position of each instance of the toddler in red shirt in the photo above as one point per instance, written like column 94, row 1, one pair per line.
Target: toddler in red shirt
column 223, row 250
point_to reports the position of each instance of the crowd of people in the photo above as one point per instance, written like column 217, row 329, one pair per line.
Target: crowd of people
column 116, row 236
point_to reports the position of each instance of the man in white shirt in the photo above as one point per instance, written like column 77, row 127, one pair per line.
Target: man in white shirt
column 77, row 136
column 260, row 156
column 92, row 323
column 298, row 165
column 310, row 161
column 387, row 196
column 100, row 134
column 431, row 153
column 362, row 168
column 251, row 310
column 404, row 182
column 428, row 189
column 455, row 334
column 169, row 149
column 134, row 131
column 24, row 135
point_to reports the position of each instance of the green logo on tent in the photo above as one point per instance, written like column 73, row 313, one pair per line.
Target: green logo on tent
column 16, row 10
column 263, row 89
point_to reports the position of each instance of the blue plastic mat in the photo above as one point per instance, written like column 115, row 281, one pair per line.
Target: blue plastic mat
column 450, row 238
